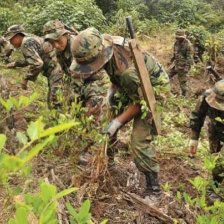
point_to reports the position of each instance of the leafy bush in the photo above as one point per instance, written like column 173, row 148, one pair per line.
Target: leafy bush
column 80, row 14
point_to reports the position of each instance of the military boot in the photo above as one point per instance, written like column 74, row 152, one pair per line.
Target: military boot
column 153, row 188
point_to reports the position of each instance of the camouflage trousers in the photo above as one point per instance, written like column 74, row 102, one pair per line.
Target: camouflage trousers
column 217, row 147
column 142, row 135
column 182, row 75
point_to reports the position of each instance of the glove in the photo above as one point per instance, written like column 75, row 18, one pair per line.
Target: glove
column 112, row 127
column 11, row 65
column 193, row 144
column 24, row 84
column 110, row 95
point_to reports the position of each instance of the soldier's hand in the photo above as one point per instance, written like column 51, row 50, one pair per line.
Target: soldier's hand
column 24, row 84
column 112, row 127
column 193, row 147
column 11, row 65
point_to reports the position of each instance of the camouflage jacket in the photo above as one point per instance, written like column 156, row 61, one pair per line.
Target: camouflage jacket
column 183, row 54
column 39, row 56
column 123, row 73
column 198, row 116
column 65, row 57
column 6, row 49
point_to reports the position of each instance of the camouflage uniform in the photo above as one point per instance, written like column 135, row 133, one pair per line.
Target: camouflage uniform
column 90, row 90
column 211, row 104
column 6, row 49
column 40, row 57
column 183, row 60
column 115, row 57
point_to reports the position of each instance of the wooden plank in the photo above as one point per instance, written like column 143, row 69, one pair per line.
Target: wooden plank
column 145, row 82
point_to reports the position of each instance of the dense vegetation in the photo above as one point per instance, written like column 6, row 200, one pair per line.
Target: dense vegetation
column 149, row 15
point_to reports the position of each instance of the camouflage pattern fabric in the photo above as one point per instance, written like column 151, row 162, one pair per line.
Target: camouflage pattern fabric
column 183, row 59
column 13, row 30
column 93, row 93
column 128, row 82
column 40, row 57
column 6, row 49
column 54, row 29
column 91, row 90
column 216, row 129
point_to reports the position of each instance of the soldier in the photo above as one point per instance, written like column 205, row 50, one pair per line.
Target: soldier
column 6, row 49
column 92, row 52
column 210, row 104
column 39, row 56
column 183, row 59
column 92, row 89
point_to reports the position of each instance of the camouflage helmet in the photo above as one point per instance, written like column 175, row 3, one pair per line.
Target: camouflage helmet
column 216, row 98
column 91, row 51
column 180, row 34
column 54, row 29
column 13, row 30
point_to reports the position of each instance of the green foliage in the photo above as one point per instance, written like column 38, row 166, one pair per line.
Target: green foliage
column 42, row 205
column 167, row 186
column 83, row 216
column 198, row 35
column 80, row 14
column 2, row 141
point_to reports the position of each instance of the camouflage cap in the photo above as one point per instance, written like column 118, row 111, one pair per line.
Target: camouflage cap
column 91, row 51
column 180, row 34
column 54, row 29
column 13, row 30
column 216, row 98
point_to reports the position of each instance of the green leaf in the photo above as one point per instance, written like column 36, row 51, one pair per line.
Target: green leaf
column 48, row 192
column 2, row 141
column 33, row 97
column 104, row 221
column 178, row 196
column 15, row 102
column 12, row 163
column 58, row 128
column 23, row 101
column 32, row 131
column 47, row 216
column 65, row 192
column 21, row 216
column 12, row 221
column 71, row 210
column 37, row 148
column 22, row 137
column 84, row 214
column 7, row 104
